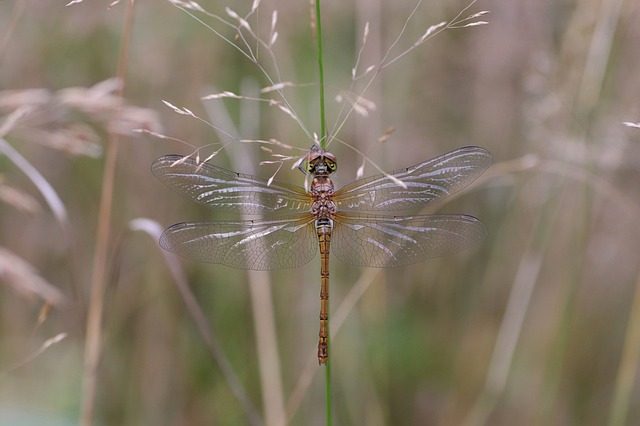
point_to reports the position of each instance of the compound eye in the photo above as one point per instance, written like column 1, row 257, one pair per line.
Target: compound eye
column 310, row 167
column 332, row 166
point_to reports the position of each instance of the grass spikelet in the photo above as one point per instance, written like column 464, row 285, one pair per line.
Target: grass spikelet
column 274, row 34
column 241, row 21
column 31, row 357
column 430, row 31
column 25, row 279
column 278, row 87
column 386, row 135
column 18, row 199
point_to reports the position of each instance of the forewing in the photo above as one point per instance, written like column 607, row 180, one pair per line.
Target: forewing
column 385, row 241
column 249, row 244
column 425, row 182
column 222, row 189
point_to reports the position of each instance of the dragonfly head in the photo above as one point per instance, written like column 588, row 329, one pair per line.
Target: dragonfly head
column 320, row 162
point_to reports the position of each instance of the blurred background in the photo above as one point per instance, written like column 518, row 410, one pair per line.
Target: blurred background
column 538, row 325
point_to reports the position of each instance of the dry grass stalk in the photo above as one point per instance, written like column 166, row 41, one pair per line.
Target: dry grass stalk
column 43, row 117
column 25, row 279
column 18, row 199
column 154, row 230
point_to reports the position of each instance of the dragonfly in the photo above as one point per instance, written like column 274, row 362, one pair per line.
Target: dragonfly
column 283, row 225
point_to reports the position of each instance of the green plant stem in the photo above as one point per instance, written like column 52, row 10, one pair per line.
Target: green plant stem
column 628, row 368
column 327, row 377
column 323, row 145
column 323, row 127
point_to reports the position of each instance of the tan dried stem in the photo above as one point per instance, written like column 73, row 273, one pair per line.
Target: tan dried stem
column 93, row 343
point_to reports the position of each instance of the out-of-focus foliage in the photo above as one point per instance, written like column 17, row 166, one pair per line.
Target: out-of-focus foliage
column 532, row 327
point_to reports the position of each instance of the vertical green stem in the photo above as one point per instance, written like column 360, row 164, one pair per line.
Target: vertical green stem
column 323, row 127
column 327, row 378
column 323, row 145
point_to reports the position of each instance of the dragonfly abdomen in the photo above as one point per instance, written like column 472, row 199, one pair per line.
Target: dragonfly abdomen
column 324, row 227
column 323, row 208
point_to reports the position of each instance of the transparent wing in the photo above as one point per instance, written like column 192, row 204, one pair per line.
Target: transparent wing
column 434, row 179
column 248, row 244
column 230, row 191
column 385, row 241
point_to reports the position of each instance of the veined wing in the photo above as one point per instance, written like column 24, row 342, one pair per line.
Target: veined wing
column 259, row 245
column 218, row 188
column 434, row 179
column 382, row 241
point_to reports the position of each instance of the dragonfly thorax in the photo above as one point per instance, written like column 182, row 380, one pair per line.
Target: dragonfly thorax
column 322, row 192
